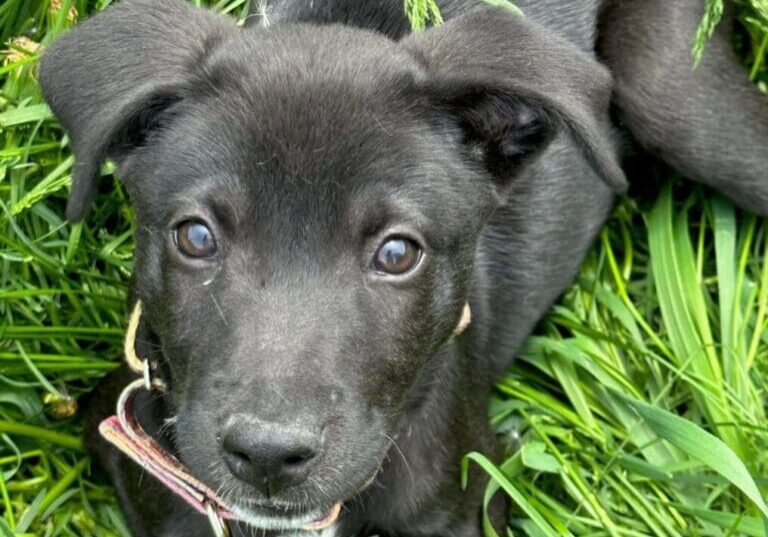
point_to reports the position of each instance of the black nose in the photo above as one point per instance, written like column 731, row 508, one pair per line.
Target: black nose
column 269, row 456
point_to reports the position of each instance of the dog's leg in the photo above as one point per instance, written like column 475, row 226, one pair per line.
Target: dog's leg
column 709, row 123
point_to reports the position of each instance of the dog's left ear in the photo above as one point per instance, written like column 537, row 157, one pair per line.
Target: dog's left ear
column 511, row 85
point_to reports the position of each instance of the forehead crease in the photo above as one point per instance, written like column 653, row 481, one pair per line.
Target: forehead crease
column 326, row 147
column 304, row 105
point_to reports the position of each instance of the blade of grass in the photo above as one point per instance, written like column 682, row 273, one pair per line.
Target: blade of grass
column 702, row 446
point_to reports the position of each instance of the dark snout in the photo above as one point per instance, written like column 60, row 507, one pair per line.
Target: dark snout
column 284, row 401
column 269, row 456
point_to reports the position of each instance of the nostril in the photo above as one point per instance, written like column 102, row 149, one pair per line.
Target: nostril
column 299, row 458
column 237, row 459
column 240, row 457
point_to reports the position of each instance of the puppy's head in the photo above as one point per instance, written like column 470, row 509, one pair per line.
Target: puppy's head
column 308, row 201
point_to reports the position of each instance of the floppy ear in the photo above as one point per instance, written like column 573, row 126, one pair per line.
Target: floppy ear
column 110, row 79
column 511, row 85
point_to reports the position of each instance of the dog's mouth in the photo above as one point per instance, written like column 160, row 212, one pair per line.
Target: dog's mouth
column 125, row 432
column 270, row 519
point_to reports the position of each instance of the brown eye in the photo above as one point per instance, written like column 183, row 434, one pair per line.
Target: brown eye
column 194, row 239
column 396, row 256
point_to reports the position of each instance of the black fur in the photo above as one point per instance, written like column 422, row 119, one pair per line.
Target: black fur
column 308, row 137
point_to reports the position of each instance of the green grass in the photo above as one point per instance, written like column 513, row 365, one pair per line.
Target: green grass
column 664, row 323
column 639, row 408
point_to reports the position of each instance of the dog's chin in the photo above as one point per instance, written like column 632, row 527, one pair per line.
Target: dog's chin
column 285, row 517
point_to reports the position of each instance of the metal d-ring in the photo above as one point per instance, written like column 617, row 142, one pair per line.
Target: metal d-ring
column 219, row 527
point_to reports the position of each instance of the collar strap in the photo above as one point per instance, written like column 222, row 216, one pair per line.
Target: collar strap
column 125, row 432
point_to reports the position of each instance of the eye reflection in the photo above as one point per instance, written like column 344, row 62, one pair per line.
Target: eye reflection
column 396, row 256
column 195, row 239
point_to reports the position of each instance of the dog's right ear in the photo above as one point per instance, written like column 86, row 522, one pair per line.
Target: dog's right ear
column 109, row 80
column 511, row 85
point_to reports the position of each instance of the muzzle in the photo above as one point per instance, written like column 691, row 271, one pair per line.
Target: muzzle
column 125, row 432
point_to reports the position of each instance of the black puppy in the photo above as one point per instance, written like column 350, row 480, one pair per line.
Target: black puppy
column 316, row 204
